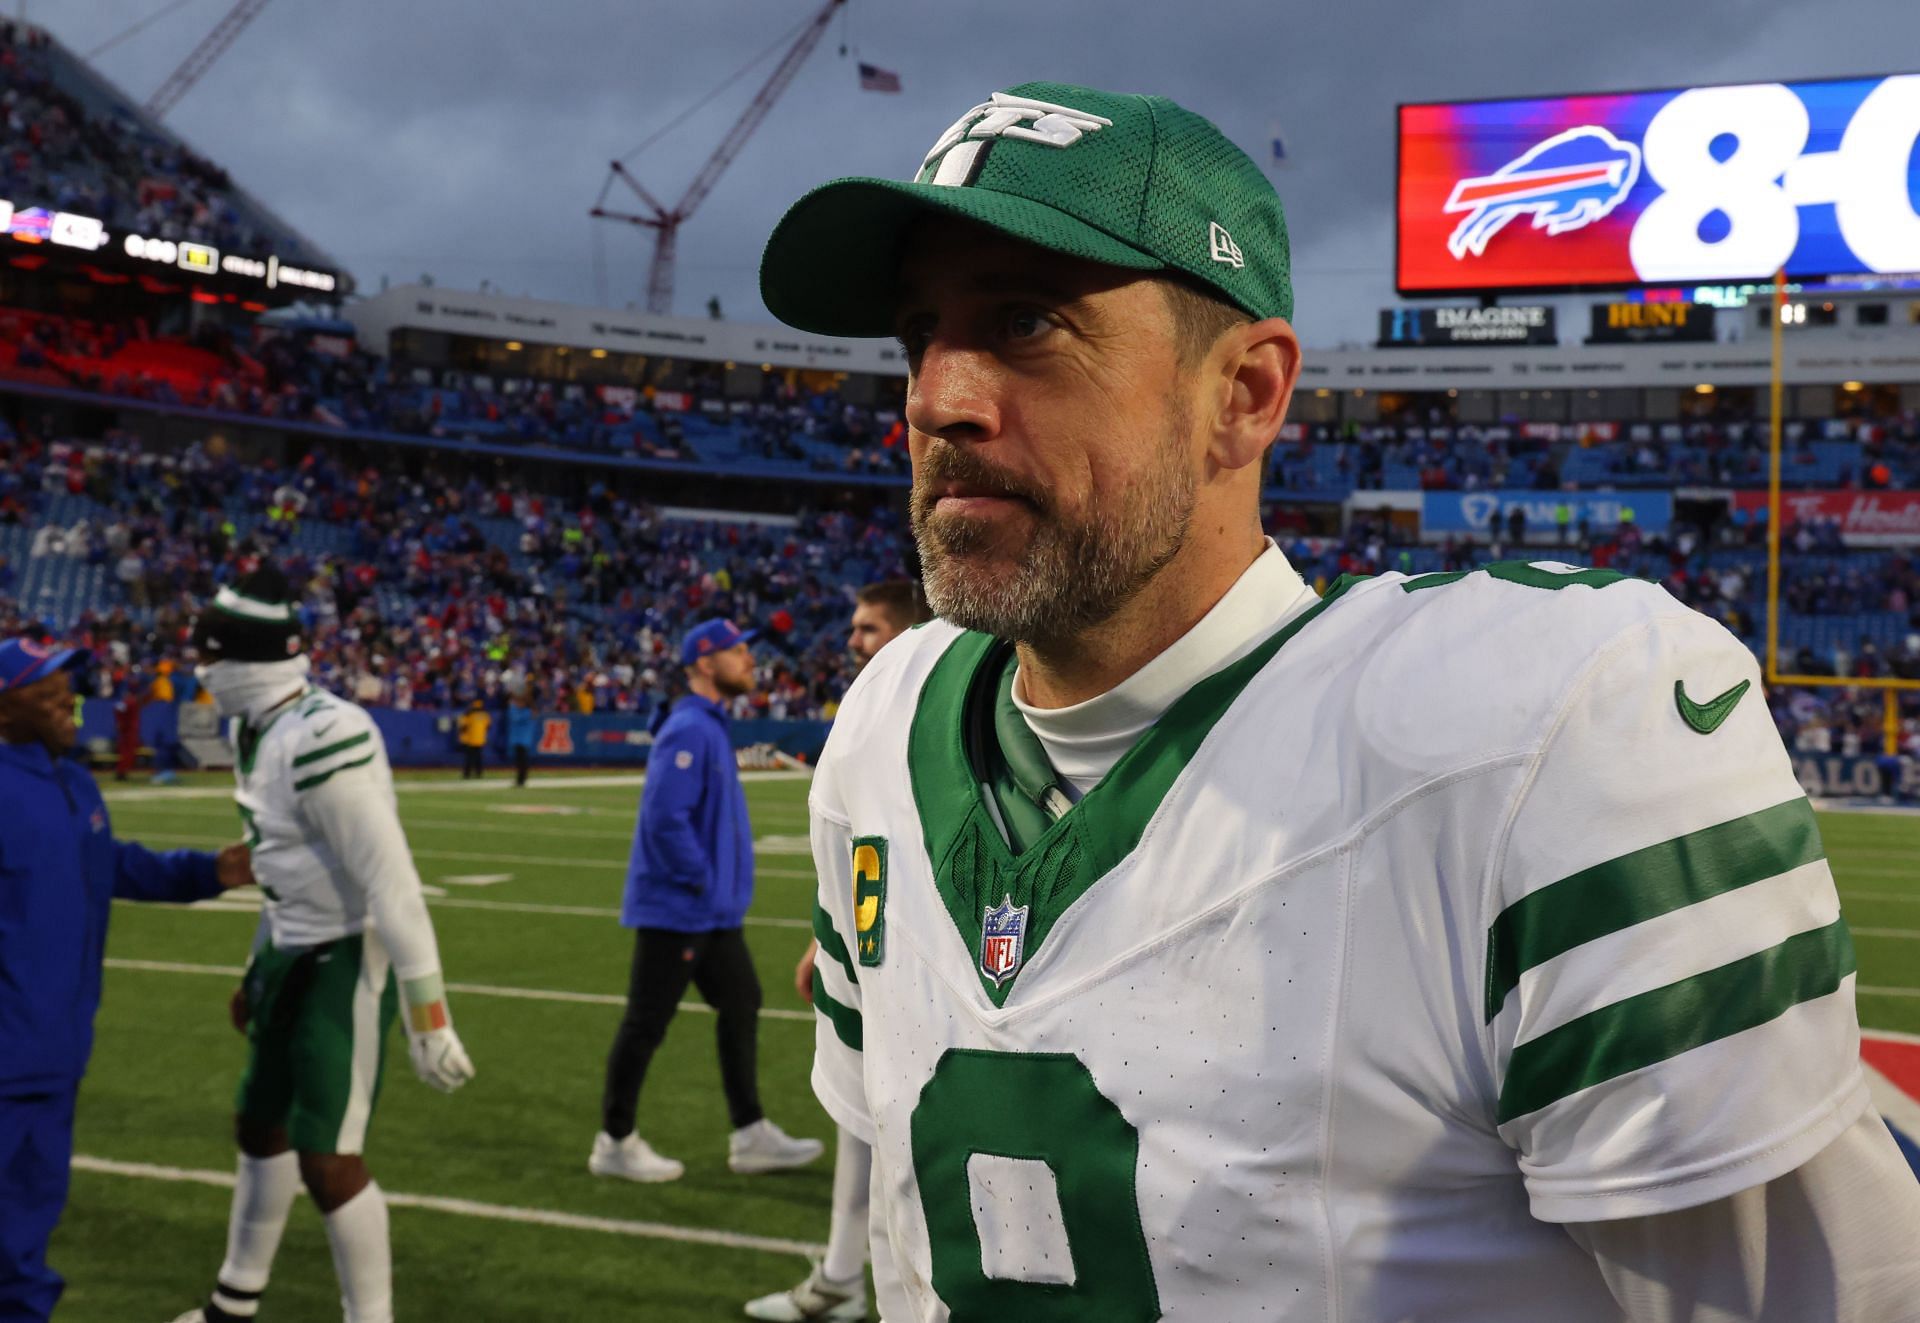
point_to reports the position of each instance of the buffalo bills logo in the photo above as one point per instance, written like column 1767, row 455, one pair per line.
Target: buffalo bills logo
column 1566, row 183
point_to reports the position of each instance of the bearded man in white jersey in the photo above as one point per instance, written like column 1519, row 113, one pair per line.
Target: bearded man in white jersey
column 1457, row 947
column 344, row 942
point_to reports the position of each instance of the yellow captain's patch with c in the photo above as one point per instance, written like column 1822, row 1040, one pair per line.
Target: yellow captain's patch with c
column 870, row 898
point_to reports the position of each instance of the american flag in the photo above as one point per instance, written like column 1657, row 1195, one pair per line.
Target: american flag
column 875, row 79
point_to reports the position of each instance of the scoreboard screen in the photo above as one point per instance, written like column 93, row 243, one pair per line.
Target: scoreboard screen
column 1704, row 185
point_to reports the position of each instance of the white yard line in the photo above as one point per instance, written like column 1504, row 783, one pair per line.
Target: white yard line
column 470, row 989
column 1887, row 992
column 1909, row 934
column 1848, row 893
column 249, row 903
column 407, row 786
column 147, row 1171
column 483, row 856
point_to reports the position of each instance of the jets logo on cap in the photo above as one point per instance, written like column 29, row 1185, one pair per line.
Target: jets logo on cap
column 957, row 156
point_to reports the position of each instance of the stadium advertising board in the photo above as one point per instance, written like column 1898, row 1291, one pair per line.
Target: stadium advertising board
column 1486, row 514
column 1839, row 776
column 1866, row 519
column 1681, row 186
column 1636, row 323
column 1524, row 324
column 89, row 234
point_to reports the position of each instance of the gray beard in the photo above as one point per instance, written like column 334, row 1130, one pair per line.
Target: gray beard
column 1070, row 576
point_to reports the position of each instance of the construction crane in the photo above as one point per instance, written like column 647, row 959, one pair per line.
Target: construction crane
column 665, row 221
column 201, row 57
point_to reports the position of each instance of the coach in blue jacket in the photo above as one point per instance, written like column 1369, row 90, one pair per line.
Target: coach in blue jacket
column 689, row 883
column 60, row 869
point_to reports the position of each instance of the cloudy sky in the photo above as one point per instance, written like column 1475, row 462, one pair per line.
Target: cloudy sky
column 468, row 138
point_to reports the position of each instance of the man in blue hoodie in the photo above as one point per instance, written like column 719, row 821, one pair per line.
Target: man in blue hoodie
column 60, row 870
column 688, row 887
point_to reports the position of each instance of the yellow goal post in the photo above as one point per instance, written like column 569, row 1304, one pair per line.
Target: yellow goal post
column 1890, row 686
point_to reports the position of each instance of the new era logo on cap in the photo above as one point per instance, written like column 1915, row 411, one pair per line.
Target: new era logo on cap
column 1222, row 246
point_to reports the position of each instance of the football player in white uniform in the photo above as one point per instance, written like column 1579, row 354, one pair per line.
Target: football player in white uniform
column 344, row 942
column 836, row 1290
column 1195, row 946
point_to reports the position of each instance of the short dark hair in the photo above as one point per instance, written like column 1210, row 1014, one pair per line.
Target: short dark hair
column 900, row 598
column 1200, row 316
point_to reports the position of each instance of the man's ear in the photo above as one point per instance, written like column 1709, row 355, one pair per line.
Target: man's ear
column 1259, row 365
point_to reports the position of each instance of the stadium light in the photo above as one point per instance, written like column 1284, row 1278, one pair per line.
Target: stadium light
column 1704, row 388
column 513, row 346
column 1853, row 385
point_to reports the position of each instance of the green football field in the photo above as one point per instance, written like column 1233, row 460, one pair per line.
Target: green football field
column 495, row 1217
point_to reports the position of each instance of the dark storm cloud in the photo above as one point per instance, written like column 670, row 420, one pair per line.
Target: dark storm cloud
column 467, row 138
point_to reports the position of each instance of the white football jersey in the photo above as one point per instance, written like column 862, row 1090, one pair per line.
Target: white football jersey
column 319, row 739
column 1466, row 905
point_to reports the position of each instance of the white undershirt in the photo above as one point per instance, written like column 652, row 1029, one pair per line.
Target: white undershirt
column 1084, row 741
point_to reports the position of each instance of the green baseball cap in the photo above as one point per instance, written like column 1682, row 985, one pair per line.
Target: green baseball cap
column 1128, row 181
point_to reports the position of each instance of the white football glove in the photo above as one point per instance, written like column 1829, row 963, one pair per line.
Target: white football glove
column 439, row 1059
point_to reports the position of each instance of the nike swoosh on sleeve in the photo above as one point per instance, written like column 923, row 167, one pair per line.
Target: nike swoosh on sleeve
column 1706, row 717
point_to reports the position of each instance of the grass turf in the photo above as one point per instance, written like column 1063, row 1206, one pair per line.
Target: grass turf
column 166, row 1062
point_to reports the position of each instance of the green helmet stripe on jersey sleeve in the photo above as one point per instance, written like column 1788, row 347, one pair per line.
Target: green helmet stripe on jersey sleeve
column 845, row 1020
column 830, row 941
column 1654, row 1026
column 321, row 778
column 337, row 747
column 1645, row 884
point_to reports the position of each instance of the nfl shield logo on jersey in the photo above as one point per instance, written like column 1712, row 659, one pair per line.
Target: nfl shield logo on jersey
column 1003, row 940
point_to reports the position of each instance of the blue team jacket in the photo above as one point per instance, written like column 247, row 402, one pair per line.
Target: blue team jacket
column 60, row 869
column 520, row 727
column 692, row 865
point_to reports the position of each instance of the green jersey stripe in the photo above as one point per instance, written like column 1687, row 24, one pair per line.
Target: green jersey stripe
column 830, row 942
column 319, row 778
column 331, row 749
column 1651, row 1027
column 1644, row 885
column 846, row 1021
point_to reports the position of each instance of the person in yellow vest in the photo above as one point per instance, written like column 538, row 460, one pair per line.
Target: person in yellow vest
column 474, row 724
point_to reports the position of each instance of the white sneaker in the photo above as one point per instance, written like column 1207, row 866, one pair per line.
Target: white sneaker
column 815, row 1298
column 631, row 1159
column 764, row 1146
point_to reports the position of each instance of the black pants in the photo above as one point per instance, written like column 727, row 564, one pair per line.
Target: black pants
column 521, row 757
column 472, row 766
column 664, row 962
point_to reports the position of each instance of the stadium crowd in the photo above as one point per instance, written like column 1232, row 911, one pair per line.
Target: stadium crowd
column 325, row 380
column 432, row 590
